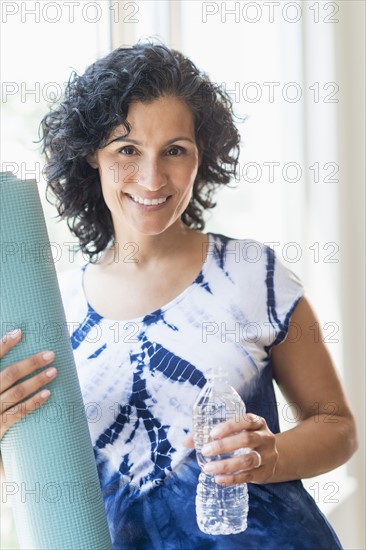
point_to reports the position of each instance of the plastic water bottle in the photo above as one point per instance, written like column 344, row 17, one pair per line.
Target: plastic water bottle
column 220, row 510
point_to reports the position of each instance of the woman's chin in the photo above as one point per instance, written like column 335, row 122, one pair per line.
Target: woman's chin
column 149, row 229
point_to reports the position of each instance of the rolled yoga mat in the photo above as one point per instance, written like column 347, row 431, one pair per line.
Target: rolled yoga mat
column 51, row 479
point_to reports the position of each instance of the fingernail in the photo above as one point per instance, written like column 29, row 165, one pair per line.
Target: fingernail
column 51, row 372
column 48, row 355
column 221, row 480
column 215, row 432
column 207, row 449
column 209, row 468
column 14, row 333
column 45, row 393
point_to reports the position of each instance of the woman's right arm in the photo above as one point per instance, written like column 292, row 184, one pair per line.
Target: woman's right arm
column 12, row 391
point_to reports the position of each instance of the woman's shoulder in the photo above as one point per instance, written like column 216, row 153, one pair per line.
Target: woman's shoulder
column 267, row 287
column 238, row 250
column 252, row 263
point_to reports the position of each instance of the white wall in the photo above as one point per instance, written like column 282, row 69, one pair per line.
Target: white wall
column 350, row 67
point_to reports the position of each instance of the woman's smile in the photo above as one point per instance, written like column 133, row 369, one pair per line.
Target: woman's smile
column 147, row 201
column 147, row 204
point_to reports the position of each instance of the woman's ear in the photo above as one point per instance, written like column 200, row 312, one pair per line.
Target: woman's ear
column 92, row 160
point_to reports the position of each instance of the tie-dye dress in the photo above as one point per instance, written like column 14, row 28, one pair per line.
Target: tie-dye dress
column 140, row 378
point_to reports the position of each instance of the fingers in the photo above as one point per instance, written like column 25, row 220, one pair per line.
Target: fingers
column 235, row 464
column 13, row 391
column 255, row 451
column 243, row 469
column 15, row 372
column 8, row 341
column 19, row 411
column 241, row 440
column 10, row 375
column 248, row 422
column 20, row 391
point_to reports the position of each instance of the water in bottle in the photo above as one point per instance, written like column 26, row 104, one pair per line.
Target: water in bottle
column 220, row 510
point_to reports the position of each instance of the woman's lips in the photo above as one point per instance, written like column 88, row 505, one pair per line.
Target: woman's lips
column 148, row 201
column 148, row 204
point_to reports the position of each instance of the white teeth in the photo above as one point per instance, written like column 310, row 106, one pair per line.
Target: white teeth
column 148, row 202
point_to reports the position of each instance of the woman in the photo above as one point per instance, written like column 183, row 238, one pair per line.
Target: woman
column 134, row 152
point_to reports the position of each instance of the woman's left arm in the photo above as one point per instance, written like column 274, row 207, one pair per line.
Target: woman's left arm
column 325, row 436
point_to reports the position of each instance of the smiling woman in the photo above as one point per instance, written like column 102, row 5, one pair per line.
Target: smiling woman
column 97, row 109
column 146, row 204
column 165, row 164
column 134, row 153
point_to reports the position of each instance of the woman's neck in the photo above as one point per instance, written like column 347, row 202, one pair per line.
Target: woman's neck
column 138, row 250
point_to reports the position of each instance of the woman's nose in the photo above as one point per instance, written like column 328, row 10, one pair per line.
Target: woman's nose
column 151, row 175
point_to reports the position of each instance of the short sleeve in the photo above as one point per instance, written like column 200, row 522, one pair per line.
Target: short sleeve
column 284, row 290
column 268, row 292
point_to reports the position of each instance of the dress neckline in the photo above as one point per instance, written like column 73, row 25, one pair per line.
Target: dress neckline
column 157, row 312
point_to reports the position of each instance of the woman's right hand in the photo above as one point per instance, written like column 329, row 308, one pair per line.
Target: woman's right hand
column 12, row 391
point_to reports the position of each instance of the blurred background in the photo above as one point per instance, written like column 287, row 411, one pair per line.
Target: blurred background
column 296, row 70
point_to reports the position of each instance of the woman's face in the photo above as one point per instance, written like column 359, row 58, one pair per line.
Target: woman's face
column 147, row 176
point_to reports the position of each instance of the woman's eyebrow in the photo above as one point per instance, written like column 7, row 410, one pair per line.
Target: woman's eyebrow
column 136, row 142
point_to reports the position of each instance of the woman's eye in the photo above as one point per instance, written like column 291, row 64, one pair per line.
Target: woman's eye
column 127, row 150
column 175, row 151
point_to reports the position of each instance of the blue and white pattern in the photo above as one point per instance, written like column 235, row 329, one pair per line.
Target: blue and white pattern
column 140, row 378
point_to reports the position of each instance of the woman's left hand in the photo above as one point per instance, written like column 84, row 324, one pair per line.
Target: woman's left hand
column 257, row 465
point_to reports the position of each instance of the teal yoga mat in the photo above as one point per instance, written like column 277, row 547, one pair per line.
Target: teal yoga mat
column 51, row 477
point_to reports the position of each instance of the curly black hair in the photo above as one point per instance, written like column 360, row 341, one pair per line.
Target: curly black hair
column 97, row 101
